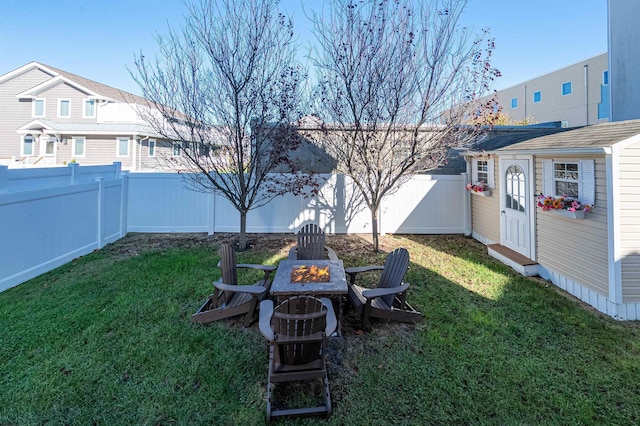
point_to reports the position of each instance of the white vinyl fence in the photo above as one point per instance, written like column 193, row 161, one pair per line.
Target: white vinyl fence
column 49, row 216
column 424, row 205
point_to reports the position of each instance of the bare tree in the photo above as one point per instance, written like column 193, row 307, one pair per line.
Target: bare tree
column 225, row 87
column 394, row 86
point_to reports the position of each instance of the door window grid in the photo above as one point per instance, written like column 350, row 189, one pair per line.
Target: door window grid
column 515, row 189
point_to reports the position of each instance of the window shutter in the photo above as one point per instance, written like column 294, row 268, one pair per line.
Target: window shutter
column 587, row 186
column 474, row 170
column 490, row 173
column 548, row 188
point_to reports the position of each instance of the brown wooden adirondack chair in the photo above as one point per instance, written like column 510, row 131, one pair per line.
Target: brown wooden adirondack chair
column 297, row 331
column 389, row 299
column 311, row 245
column 230, row 299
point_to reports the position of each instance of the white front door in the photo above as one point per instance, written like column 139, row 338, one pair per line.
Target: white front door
column 515, row 206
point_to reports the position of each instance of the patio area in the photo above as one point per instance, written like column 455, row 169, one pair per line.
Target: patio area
column 107, row 339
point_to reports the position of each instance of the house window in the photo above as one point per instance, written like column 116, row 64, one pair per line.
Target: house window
column 49, row 145
column 152, row 148
column 574, row 179
column 89, row 110
column 38, row 107
column 514, row 102
column 177, row 149
column 566, row 88
column 64, row 108
column 605, row 78
column 482, row 171
column 537, row 97
column 123, row 147
column 78, row 146
column 27, row 145
column 515, row 183
column 565, row 176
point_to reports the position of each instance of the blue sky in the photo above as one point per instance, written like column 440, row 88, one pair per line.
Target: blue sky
column 97, row 39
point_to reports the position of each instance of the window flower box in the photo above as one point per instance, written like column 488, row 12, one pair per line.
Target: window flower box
column 478, row 189
column 563, row 206
column 578, row 214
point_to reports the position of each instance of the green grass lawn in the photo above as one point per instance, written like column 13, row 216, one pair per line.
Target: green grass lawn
column 107, row 339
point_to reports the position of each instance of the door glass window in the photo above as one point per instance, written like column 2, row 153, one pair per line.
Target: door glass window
column 515, row 186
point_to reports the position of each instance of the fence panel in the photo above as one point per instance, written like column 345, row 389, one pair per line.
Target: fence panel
column 161, row 202
column 43, row 227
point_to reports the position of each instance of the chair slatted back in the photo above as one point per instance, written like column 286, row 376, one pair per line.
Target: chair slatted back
column 395, row 267
column 298, row 324
column 311, row 242
column 228, row 266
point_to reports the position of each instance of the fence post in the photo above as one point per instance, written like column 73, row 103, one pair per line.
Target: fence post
column 4, row 179
column 467, row 206
column 211, row 212
column 117, row 167
column 100, row 200
column 73, row 173
column 124, row 202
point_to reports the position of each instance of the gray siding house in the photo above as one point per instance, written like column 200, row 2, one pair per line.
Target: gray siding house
column 52, row 117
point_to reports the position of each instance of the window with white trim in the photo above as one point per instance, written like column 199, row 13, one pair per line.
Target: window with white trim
column 569, row 178
column 152, row 148
column 482, row 170
column 64, row 108
column 122, row 147
column 27, row 145
column 78, row 146
column 89, row 108
column 177, row 149
column 38, row 107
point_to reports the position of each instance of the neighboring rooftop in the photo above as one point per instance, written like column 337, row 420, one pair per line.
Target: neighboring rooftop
column 593, row 137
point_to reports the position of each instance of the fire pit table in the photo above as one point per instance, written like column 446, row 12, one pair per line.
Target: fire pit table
column 311, row 277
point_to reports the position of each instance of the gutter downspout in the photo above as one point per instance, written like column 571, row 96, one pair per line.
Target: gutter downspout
column 586, row 90
column 525, row 103
column 140, row 155
column 468, row 230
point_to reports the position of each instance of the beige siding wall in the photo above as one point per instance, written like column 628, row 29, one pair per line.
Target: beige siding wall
column 64, row 91
column 98, row 150
column 576, row 248
column 16, row 112
column 485, row 211
column 630, row 222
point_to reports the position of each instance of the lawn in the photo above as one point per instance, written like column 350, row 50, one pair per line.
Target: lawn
column 107, row 339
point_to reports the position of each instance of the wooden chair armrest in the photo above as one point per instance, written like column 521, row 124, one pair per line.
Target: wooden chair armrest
column 264, row 321
column 377, row 292
column 353, row 271
column 269, row 268
column 331, row 254
column 332, row 321
column 255, row 290
column 367, row 268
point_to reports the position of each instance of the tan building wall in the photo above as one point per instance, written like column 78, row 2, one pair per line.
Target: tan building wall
column 630, row 222
column 553, row 106
column 576, row 249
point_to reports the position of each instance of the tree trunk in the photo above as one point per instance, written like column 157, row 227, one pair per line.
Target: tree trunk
column 242, row 240
column 374, row 228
